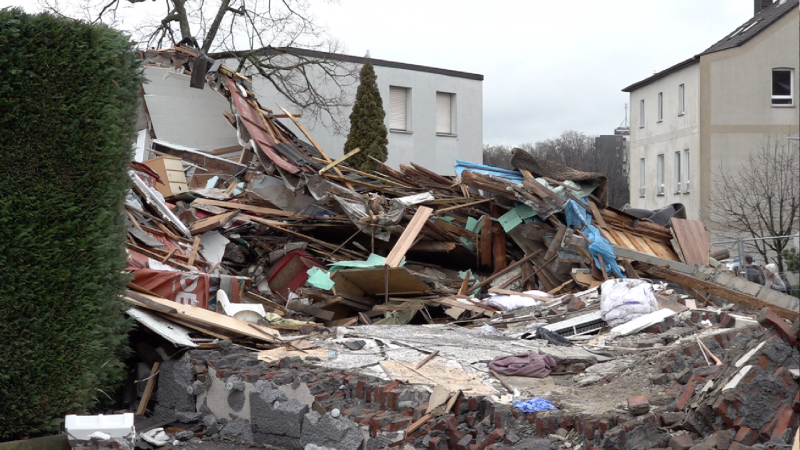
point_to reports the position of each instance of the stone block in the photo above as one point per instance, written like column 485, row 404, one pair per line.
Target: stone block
column 746, row 436
column 638, row 405
column 681, row 442
column 335, row 432
column 272, row 413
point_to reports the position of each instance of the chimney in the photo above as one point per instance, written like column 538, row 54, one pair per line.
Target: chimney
column 759, row 5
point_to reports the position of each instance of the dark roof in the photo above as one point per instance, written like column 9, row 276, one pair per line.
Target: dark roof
column 752, row 27
column 737, row 37
column 375, row 62
column 662, row 74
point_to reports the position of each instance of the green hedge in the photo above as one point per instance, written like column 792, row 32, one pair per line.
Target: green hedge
column 68, row 107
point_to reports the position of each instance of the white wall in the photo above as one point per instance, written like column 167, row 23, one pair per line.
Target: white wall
column 421, row 145
column 674, row 133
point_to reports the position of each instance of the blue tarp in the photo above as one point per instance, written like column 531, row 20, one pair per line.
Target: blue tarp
column 514, row 176
column 534, row 405
column 578, row 217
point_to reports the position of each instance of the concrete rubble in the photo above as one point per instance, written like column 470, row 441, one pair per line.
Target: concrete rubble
column 290, row 300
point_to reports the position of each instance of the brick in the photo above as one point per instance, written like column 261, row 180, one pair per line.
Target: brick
column 391, row 386
column 638, row 405
column 321, row 397
column 796, row 403
column 746, row 436
column 726, row 320
column 437, row 443
column 723, row 410
column 768, row 318
column 473, row 404
column 575, row 305
column 493, row 437
column 783, row 419
column 686, row 396
column 682, row 442
column 360, row 391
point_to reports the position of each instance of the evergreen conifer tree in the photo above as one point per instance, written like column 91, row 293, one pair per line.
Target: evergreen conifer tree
column 367, row 130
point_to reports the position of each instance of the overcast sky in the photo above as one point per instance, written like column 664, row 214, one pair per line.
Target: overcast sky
column 549, row 66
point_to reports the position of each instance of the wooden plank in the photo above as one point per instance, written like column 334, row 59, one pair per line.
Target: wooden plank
column 195, row 248
column 372, row 281
column 210, row 318
column 364, row 319
column 554, row 246
column 319, row 313
column 418, row 424
column 447, row 301
column 464, row 289
column 521, row 294
column 693, row 240
column 405, row 307
column 427, row 358
column 210, row 223
column 498, row 242
column 342, row 322
column 465, row 205
column 597, row 216
column 689, row 282
column 249, row 208
column 629, row 270
column 148, row 389
column 339, row 161
column 210, row 331
column 511, row 267
column 406, row 240
column 485, row 249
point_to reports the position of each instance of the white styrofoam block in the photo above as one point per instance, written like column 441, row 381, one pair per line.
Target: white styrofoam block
column 115, row 425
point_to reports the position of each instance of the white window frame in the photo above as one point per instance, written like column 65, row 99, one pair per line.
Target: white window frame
column 452, row 130
column 660, row 188
column 642, row 177
column 407, row 127
column 686, row 170
column 681, row 99
column 677, row 172
column 660, row 106
column 641, row 113
column 789, row 97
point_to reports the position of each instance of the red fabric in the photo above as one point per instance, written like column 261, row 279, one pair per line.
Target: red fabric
column 529, row 364
column 181, row 287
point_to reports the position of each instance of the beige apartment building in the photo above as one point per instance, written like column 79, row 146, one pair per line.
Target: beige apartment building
column 708, row 113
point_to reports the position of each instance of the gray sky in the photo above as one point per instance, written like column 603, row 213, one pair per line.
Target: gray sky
column 549, row 66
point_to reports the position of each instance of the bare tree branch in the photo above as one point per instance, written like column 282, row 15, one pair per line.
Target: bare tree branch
column 761, row 199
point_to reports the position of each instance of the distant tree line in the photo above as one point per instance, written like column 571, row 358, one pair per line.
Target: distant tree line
column 577, row 150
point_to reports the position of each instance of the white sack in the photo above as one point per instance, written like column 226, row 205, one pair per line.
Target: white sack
column 624, row 299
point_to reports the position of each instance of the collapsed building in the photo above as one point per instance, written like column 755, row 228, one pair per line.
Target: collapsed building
column 286, row 298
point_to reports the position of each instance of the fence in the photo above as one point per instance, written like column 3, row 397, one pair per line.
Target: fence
column 792, row 277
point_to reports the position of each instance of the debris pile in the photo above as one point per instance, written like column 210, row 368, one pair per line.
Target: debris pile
column 265, row 275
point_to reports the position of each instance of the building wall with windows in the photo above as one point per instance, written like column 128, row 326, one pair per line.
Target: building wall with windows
column 737, row 95
column 434, row 116
column 734, row 95
column 670, row 134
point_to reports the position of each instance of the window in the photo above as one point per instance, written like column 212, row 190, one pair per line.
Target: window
column 681, row 102
column 641, row 113
column 660, row 106
column 677, row 170
column 398, row 108
column 686, row 171
column 660, row 168
column 445, row 116
column 641, row 177
column 782, row 82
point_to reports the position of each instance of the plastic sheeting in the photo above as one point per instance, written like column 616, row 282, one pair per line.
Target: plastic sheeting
column 533, row 405
column 512, row 302
column 623, row 300
column 355, row 211
column 598, row 245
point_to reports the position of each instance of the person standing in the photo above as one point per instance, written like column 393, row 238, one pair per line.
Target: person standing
column 753, row 273
column 773, row 280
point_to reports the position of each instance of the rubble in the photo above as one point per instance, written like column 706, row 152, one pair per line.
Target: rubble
column 292, row 300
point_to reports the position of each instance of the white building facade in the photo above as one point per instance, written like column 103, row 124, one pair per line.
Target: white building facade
column 707, row 114
column 434, row 116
